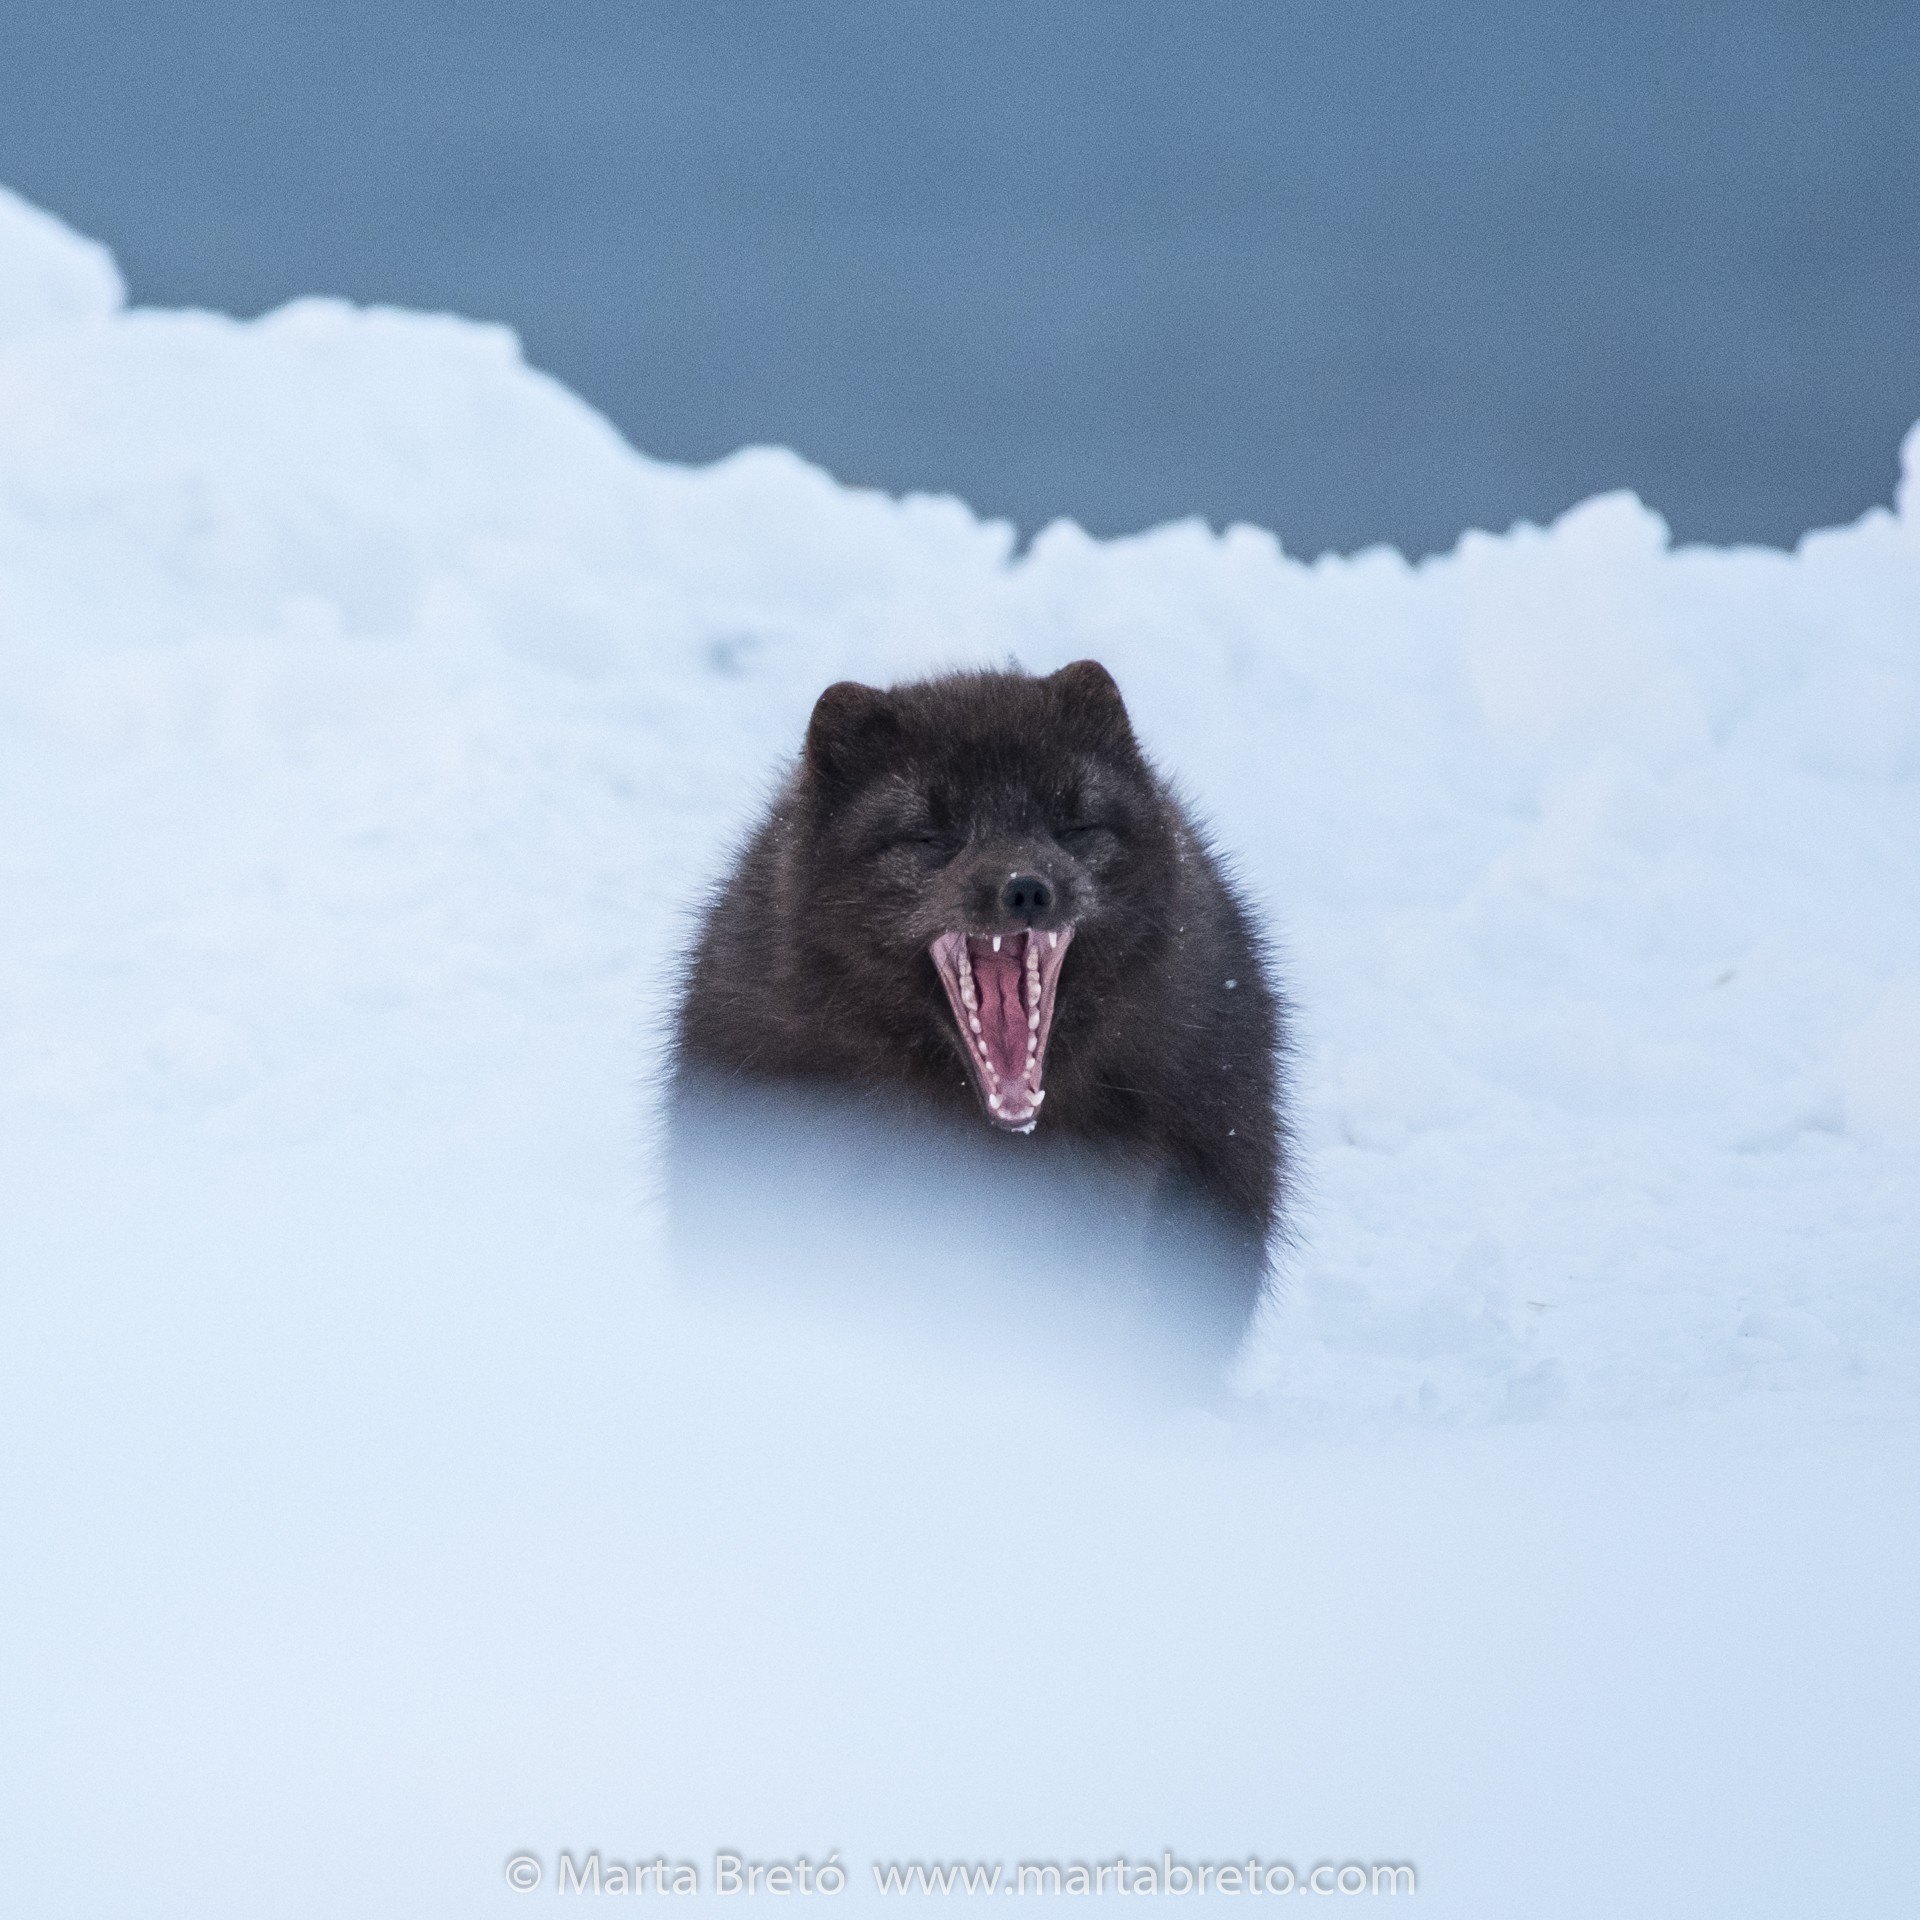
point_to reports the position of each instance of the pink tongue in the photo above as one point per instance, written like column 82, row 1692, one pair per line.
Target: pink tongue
column 999, row 980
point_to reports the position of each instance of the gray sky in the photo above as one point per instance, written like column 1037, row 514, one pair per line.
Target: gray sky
column 1357, row 273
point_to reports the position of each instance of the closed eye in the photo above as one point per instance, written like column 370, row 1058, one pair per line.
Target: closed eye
column 928, row 844
column 1082, row 835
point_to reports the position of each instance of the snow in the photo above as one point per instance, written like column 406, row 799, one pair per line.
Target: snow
column 370, row 718
column 53, row 280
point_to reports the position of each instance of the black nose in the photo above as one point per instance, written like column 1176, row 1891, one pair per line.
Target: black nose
column 1026, row 896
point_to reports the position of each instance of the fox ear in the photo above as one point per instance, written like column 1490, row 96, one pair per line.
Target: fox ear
column 1093, row 698
column 848, row 736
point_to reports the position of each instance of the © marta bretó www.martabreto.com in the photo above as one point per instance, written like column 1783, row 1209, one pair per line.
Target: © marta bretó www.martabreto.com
column 589, row 1872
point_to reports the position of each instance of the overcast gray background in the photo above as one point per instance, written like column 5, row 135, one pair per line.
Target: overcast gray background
column 1355, row 272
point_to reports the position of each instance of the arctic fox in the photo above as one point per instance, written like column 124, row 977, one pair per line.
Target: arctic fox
column 974, row 903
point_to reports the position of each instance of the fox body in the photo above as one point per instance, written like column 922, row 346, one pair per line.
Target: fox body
column 974, row 901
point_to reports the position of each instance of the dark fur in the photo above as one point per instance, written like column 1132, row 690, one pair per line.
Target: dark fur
column 902, row 819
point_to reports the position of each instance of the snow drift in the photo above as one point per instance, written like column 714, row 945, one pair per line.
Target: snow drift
column 370, row 715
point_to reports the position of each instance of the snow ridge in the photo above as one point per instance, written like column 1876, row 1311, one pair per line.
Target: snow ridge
column 361, row 693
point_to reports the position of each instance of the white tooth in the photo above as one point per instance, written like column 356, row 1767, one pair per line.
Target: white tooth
column 993, row 1100
column 1037, row 1098
column 1033, row 1045
column 974, row 1023
column 1053, row 939
column 1033, row 1023
column 996, row 943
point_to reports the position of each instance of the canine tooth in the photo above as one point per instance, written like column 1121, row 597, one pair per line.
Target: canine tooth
column 1038, row 1097
column 996, row 943
column 1053, row 939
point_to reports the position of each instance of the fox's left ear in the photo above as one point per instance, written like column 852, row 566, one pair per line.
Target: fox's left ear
column 1092, row 696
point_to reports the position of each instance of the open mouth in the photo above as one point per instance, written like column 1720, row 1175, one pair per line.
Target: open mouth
column 1000, row 987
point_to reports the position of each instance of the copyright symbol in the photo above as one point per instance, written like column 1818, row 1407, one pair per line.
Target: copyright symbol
column 523, row 1872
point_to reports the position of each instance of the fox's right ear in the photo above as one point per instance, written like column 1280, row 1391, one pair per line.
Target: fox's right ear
column 851, row 729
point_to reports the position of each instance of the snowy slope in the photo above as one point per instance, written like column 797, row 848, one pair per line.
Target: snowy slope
column 370, row 714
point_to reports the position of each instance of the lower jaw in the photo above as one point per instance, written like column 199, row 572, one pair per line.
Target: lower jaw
column 1014, row 1109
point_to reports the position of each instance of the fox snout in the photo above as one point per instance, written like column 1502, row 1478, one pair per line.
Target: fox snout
column 1007, row 890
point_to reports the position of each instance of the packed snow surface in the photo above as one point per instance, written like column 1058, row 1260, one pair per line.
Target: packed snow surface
column 371, row 717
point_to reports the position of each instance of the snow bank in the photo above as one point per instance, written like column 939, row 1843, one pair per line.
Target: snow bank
column 1595, row 859
column 370, row 714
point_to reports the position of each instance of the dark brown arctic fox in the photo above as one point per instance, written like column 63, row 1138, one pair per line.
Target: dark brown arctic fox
column 975, row 899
